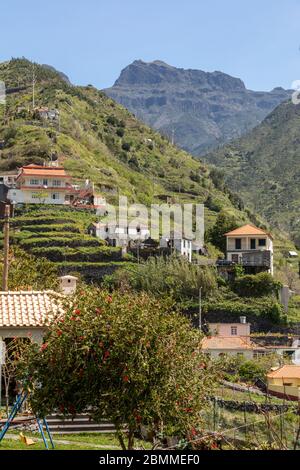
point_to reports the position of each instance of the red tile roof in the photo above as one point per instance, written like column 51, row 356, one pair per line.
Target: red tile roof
column 28, row 308
column 39, row 170
column 288, row 371
column 247, row 230
column 226, row 342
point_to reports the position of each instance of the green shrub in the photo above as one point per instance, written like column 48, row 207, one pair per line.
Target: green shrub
column 265, row 308
column 80, row 254
column 169, row 276
column 71, row 242
column 256, row 285
column 51, row 228
column 38, row 220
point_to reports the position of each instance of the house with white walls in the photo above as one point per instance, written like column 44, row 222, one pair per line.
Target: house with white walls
column 251, row 247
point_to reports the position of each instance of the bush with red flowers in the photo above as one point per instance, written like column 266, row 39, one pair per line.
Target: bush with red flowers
column 136, row 363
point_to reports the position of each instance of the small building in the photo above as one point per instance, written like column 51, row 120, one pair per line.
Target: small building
column 27, row 314
column 176, row 243
column 217, row 346
column 284, row 382
column 47, row 114
column 8, row 179
column 119, row 236
column 231, row 339
column 251, row 247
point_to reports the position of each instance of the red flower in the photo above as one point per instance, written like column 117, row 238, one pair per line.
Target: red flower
column 109, row 299
column 125, row 378
column 138, row 418
column 188, row 410
column 73, row 318
column 99, row 310
column 62, row 408
column 77, row 311
column 44, row 346
column 194, row 432
column 106, row 354
column 59, row 333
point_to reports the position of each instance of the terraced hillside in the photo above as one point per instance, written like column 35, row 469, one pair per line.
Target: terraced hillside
column 97, row 139
column 62, row 239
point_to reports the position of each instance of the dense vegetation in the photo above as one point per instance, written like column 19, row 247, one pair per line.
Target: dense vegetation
column 130, row 359
column 264, row 168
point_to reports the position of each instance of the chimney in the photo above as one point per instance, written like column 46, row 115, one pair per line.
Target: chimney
column 68, row 284
column 243, row 320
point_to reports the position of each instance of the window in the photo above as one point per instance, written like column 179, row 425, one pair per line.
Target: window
column 253, row 244
column 56, row 183
column 238, row 243
column 55, row 196
column 45, row 182
column 34, row 182
column 234, row 330
column 262, row 242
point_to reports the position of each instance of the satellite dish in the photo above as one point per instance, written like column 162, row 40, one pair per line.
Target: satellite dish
column 296, row 358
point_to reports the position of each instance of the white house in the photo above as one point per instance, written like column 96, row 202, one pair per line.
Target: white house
column 117, row 235
column 37, row 184
column 176, row 243
column 251, row 247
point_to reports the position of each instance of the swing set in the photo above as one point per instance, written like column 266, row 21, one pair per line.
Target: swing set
column 41, row 422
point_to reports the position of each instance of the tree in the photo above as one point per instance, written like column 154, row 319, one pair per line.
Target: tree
column 225, row 223
column 289, row 276
column 27, row 272
column 127, row 358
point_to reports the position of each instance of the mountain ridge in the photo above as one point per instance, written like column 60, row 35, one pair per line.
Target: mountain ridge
column 202, row 110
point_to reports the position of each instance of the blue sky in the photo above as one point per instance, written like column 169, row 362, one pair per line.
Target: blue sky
column 92, row 40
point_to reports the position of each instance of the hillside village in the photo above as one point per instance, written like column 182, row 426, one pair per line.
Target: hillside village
column 232, row 302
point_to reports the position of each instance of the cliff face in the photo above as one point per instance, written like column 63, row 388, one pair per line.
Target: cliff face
column 202, row 110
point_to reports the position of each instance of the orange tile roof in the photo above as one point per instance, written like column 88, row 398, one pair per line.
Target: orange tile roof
column 286, row 372
column 38, row 170
column 247, row 230
column 225, row 342
column 28, row 308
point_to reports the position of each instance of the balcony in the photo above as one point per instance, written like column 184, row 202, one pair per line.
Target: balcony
column 256, row 258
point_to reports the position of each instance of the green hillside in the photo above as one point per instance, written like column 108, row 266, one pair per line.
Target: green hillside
column 264, row 168
column 98, row 139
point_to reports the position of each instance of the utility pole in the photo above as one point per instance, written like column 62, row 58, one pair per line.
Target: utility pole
column 33, row 86
column 6, row 248
column 200, row 308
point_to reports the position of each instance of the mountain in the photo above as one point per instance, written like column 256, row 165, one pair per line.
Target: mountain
column 98, row 139
column 200, row 110
column 264, row 167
